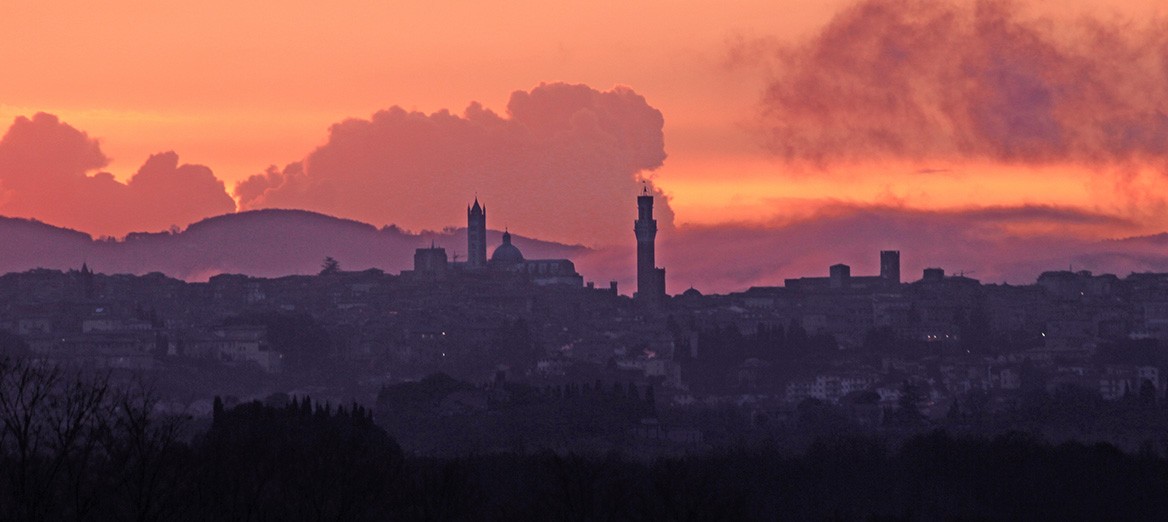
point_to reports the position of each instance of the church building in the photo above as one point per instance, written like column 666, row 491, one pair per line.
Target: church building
column 506, row 258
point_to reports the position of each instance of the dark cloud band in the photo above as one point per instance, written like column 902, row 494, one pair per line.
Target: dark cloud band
column 923, row 80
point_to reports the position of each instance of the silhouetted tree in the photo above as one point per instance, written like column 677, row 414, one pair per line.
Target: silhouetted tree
column 12, row 345
column 908, row 413
column 954, row 413
column 72, row 446
column 651, row 400
column 306, row 345
column 1147, row 392
column 974, row 329
column 330, row 266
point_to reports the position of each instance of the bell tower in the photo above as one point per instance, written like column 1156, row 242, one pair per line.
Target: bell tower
column 650, row 279
column 476, row 235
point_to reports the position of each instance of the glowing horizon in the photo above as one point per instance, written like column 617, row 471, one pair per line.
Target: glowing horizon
column 751, row 115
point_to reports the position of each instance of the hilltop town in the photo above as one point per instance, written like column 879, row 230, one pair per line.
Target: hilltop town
column 528, row 341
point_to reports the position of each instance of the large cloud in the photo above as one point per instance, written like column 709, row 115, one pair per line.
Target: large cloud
column 44, row 173
column 925, row 80
column 562, row 164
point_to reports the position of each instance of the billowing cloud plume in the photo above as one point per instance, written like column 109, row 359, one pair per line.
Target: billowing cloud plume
column 45, row 170
column 564, row 163
column 925, row 80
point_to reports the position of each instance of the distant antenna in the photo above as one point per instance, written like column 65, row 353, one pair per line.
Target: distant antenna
column 644, row 188
column 454, row 257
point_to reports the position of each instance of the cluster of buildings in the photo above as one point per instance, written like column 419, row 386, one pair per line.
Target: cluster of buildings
column 951, row 338
column 1001, row 381
column 535, row 319
column 63, row 318
column 1064, row 314
column 508, row 259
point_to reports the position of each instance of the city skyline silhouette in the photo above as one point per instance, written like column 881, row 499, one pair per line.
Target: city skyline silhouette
column 750, row 260
column 796, row 131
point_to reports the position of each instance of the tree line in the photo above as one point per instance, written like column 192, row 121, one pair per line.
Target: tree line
column 77, row 447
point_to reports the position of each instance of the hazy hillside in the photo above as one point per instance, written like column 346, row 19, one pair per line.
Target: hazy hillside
column 261, row 243
column 28, row 244
column 281, row 242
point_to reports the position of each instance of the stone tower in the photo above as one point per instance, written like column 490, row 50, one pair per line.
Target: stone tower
column 650, row 279
column 476, row 235
column 890, row 266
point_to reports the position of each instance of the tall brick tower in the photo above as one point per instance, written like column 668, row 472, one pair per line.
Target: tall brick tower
column 650, row 279
column 476, row 235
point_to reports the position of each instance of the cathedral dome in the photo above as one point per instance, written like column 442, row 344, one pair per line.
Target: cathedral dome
column 506, row 255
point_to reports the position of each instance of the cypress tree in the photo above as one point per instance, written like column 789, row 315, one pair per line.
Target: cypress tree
column 651, row 400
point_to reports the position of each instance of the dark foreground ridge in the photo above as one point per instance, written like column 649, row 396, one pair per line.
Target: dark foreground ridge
column 79, row 448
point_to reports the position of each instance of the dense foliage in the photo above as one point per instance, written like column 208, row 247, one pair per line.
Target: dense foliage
column 78, row 448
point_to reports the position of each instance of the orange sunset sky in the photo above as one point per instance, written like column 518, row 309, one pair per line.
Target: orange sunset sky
column 771, row 113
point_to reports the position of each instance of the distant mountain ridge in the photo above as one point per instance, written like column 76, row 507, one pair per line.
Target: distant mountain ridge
column 263, row 243
column 273, row 243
